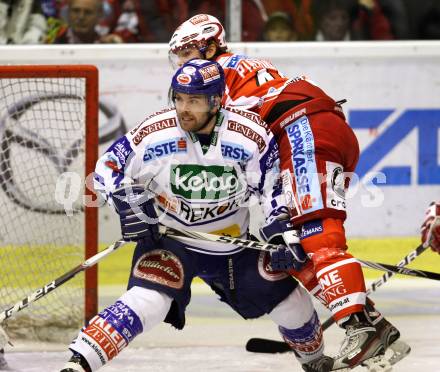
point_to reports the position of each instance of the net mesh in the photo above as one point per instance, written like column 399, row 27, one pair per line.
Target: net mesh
column 42, row 135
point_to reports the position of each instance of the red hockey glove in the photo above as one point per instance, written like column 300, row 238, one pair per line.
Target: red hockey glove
column 431, row 227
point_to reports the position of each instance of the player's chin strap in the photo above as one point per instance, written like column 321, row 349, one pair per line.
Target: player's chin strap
column 245, row 243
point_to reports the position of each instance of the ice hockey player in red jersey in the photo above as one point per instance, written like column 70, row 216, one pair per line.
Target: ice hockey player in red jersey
column 431, row 227
column 318, row 150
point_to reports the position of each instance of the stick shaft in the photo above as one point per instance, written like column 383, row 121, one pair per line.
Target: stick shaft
column 411, row 256
column 49, row 287
column 400, row 270
column 245, row 243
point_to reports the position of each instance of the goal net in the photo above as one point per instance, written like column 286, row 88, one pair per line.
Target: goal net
column 48, row 145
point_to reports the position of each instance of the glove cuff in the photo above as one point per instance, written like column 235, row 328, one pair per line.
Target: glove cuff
column 129, row 197
column 273, row 231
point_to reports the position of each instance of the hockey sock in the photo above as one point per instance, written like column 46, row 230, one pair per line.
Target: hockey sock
column 299, row 325
column 306, row 341
column 109, row 332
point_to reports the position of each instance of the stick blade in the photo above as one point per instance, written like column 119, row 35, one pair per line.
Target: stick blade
column 266, row 346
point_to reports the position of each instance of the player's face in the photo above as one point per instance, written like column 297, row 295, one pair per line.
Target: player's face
column 179, row 58
column 192, row 111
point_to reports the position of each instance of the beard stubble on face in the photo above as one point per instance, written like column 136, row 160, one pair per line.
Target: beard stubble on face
column 190, row 122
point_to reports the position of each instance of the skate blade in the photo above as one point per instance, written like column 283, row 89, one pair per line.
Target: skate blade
column 378, row 363
column 399, row 350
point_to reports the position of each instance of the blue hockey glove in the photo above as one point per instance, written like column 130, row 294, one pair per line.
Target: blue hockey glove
column 273, row 231
column 286, row 257
column 137, row 215
column 289, row 254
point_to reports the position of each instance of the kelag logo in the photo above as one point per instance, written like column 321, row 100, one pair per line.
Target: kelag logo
column 427, row 124
column 213, row 182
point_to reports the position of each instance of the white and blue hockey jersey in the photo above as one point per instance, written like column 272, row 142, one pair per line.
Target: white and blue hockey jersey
column 207, row 191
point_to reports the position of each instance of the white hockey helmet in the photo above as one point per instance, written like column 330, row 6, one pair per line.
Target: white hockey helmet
column 197, row 32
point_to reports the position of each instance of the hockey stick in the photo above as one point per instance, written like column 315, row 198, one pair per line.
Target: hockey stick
column 263, row 345
column 245, row 243
column 196, row 235
column 400, row 270
column 43, row 291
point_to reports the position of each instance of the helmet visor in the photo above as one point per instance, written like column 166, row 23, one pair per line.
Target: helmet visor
column 177, row 57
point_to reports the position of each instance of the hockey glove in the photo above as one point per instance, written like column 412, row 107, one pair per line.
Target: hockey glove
column 431, row 227
column 289, row 254
column 137, row 215
column 287, row 257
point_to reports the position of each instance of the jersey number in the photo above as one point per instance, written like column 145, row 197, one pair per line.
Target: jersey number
column 263, row 76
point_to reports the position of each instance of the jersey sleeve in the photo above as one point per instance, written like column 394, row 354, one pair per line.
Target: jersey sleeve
column 115, row 167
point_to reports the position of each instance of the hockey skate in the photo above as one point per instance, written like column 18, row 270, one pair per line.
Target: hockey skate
column 362, row 344
column 321, row 364
column 76, row 364
column 395, row 350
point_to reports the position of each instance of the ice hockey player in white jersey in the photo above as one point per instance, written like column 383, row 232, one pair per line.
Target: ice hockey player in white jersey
column 202, row 163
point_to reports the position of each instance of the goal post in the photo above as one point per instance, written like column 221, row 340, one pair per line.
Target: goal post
column 48, row 128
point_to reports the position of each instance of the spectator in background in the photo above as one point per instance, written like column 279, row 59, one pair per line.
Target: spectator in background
column 370, row 22
column 333, row 21
column 111, row 10
column 397, row 13
column 21, row 22
column 127, row 25
column 343, row 20
column 82, row 19
column 158, row 18
column 254, row 15
column 279, row 27
column 429, row 24
column 84, row 23
column 50, row 8
column 300, row 12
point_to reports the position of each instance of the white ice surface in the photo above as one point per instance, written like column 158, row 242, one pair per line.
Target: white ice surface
column 214, row 337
